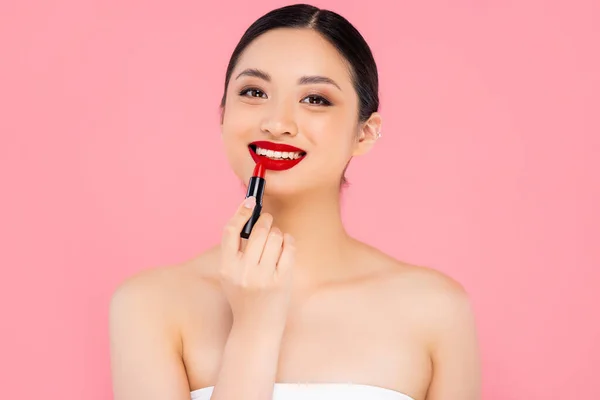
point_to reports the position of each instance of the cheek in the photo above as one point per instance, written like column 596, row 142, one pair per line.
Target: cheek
column 238, row 127
column 333, row 136
column 237, row 130
column 236, row 120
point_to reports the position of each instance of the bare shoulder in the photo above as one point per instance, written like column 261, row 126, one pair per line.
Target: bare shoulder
column 145, row 328
column 433, row 286
column 441, row 310
column 158, row 298
column 436, row 301
column 162, row 289
column 444, row 302
column 147, row 289
column 429, row 284
column 140, row 309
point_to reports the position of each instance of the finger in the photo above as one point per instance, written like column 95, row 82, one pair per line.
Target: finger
column 272, row 250
column 258, row 238
column 287, row 257
column 230, row 241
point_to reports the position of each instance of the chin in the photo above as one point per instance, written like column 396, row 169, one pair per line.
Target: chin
column 280, row 187
column 283, row 186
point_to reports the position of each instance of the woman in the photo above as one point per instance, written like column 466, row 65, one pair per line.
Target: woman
column 300, row 309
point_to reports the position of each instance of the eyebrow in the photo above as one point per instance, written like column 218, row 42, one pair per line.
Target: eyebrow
column 305, row 80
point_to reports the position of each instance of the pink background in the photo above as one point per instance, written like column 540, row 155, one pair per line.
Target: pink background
column 486, row 171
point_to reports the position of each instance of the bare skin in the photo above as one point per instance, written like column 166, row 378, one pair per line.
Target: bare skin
column 385, row 325
column 314, row 304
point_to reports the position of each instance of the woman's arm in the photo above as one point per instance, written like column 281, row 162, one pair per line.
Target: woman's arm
column 249, row 365
column 455, row 353
column 146, row 361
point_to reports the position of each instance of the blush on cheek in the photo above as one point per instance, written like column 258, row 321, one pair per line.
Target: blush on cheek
column 240, row 121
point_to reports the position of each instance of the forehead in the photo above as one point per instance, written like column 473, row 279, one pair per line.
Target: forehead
column 292, row 53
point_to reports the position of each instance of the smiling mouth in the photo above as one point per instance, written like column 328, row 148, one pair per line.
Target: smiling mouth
column 276, row 155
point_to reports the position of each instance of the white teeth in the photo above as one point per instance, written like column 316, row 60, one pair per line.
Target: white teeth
column 278, row 155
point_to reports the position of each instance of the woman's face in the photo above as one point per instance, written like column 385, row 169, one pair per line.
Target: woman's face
column 292, row 87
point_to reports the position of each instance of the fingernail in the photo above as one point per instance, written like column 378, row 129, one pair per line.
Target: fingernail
column 250, row 202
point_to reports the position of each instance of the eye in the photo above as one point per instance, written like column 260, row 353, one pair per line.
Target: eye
column 317, row 100
column 253, row 92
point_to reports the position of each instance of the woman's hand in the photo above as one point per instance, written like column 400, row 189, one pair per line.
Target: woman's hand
column 256, row 274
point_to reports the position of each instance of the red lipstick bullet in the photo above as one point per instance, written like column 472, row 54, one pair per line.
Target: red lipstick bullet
column 256, row 188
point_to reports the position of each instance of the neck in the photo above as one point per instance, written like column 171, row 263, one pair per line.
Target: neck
column 315, row 222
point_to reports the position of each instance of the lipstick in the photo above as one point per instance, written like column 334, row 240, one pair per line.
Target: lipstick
column 256, row 188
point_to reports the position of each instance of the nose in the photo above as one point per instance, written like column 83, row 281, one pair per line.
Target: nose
column 279, row 121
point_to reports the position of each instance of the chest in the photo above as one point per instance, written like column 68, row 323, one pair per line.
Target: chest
column 327, row 339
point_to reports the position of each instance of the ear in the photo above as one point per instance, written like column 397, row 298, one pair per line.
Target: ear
column 369, row 132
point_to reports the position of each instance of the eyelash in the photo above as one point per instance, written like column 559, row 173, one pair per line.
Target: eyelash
column 323, row 100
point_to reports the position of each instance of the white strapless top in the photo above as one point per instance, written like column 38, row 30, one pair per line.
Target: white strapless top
column 320, row 391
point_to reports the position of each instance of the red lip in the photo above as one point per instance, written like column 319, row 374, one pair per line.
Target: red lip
column 274, row 165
